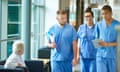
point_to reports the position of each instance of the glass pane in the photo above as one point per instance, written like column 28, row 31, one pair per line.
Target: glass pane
column 13, row 13
column 9, row 46
column 13, row 33
column 38, row 2
column 14, row 1
column 37, row 27
column 13, row 29
column 72, row 12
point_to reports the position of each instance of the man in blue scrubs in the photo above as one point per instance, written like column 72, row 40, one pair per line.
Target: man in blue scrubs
column 86, row 34
column 62, row 41
column 105, row 30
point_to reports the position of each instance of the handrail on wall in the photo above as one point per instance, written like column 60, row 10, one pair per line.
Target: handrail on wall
column 10, row 39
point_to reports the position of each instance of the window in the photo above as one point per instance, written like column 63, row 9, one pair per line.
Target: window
column 37, row 27
column 72, row 15
column 13, row 25
column 14, row 21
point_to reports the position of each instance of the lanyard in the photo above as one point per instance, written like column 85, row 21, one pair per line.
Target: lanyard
column 86, row 32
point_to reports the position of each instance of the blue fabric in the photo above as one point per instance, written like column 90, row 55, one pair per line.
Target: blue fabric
column 86, row 35
column 61, row 66
column 64, row 38
column 88, row 65
column 107, row 34
column 106, row 65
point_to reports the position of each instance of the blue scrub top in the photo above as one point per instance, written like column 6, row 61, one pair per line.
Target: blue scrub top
column 86, row 35
column 107, row 34
column 64, row 38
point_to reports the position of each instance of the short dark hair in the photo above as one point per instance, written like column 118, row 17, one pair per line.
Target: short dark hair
column 107, row 7
column 62, row 12
column 90, row 11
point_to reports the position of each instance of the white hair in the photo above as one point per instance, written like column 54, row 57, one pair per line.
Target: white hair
column 15, row 45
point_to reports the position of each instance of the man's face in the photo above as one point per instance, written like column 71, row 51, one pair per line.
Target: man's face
column 62, row 19
column 88, row 17
column 106, row 14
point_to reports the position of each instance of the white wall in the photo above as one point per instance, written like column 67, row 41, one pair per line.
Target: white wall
column 50, row 17
column 116, row 12
column 50, row 14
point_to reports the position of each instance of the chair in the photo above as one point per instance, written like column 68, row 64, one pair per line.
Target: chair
column 44, row 53
column 34, row 65
column 2, row 69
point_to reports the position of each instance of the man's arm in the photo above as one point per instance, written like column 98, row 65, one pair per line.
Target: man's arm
column 75, row 48
column 75, row 52
column 102, row 43
column 113, row 44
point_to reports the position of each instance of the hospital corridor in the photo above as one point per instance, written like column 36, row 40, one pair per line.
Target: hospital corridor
column 59, row 35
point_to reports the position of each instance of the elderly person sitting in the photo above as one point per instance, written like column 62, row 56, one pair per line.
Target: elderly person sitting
column 15, row 59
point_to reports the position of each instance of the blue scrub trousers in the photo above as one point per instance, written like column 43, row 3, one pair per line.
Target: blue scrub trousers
column 88, row 65
column 106, row 65
column 61, row 66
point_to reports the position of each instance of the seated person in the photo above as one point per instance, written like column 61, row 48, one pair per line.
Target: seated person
column 15, row 59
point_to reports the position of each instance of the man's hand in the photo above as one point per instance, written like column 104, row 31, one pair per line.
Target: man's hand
column 78, row 59
column 52, row 45
column 104, row 44
column 74, row 61
column 19, row 65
